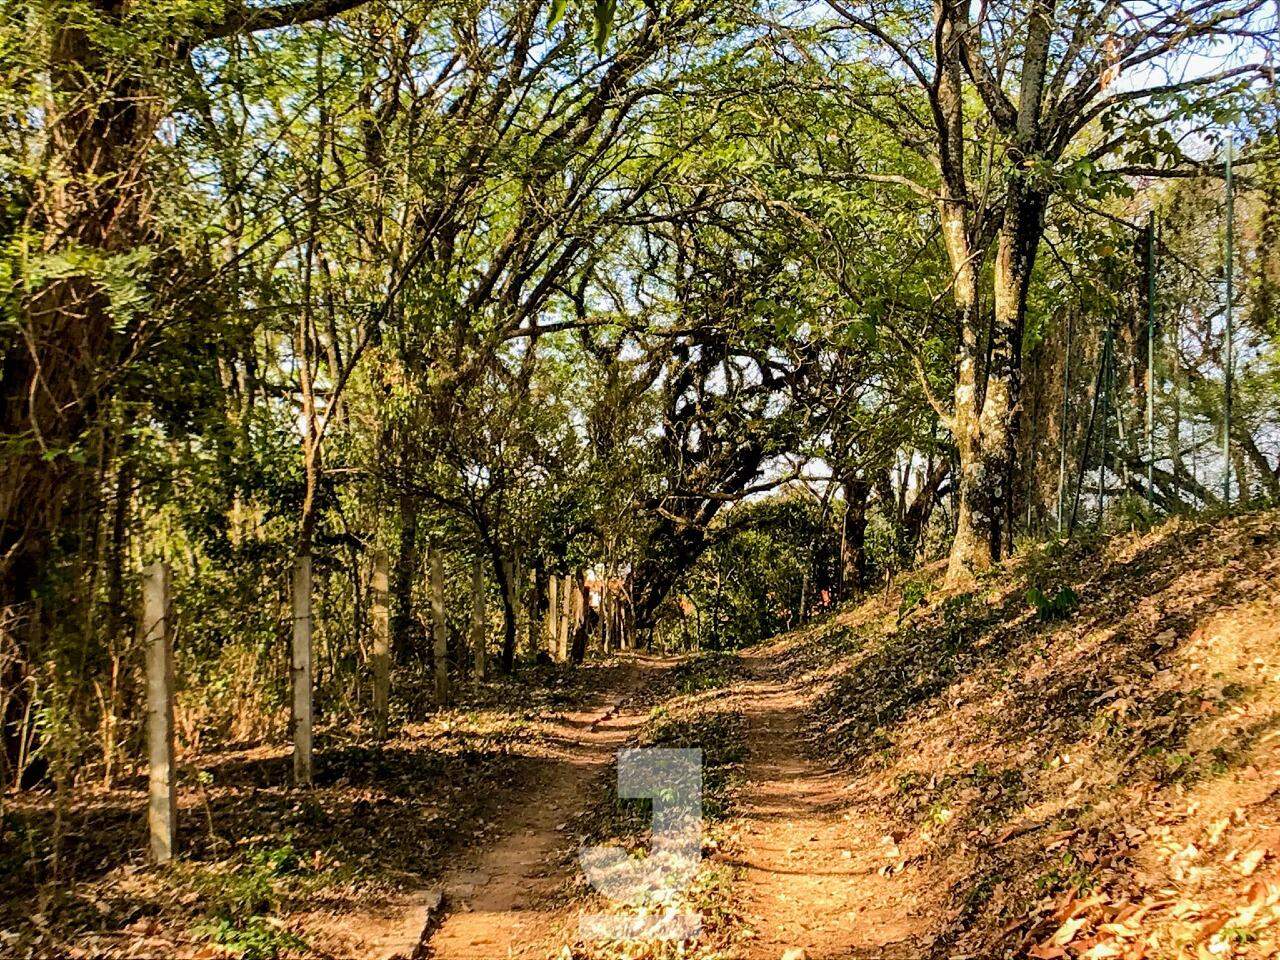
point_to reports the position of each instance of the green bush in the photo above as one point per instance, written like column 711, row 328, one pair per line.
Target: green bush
column 257, row 938
column 240, row 903
column 914, row 593
column 1057, row 607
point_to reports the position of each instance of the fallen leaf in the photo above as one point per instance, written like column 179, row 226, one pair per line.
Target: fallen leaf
column 1067, row 932
column 1047, row 951
column 1249, row 862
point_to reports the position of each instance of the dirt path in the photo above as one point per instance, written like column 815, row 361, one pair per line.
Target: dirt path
column 497, row 900
column 814, row 863
column 819, row 870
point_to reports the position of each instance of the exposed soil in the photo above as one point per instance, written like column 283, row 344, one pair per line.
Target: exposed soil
column 1098, row 780
column 816, row 876
column 500, row 900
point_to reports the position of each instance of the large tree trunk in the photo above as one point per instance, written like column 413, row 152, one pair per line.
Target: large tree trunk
column 853, row 538
column 54, row 376
column 988, row 453
column 986, row 431
column 971, row 547
column 90, row 202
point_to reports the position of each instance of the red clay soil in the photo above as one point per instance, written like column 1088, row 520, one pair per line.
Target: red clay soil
column 500, row 900
column 816, row 877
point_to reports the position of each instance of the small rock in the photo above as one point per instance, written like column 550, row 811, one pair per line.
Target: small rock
column 795, row 953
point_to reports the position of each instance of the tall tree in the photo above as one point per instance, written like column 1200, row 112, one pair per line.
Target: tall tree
column 1013, row 104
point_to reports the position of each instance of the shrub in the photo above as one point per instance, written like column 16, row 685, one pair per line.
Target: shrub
column 1056, row 607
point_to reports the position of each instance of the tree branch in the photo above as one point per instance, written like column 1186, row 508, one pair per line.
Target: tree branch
column 244, row 19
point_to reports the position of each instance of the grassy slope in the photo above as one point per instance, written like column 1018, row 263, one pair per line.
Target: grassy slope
column 1106, row 784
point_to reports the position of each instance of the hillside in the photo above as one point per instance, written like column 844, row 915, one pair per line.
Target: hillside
column 1099, row 780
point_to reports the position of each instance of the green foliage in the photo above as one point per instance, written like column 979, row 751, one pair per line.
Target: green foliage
column 252, row 887
column 1066, row 871
column 566, row 286
column 705, row 671
column 254, row 938
column 914, row 593
column 1059, row 606
column 748, row 585
column 241, row 902
column 1131, row 512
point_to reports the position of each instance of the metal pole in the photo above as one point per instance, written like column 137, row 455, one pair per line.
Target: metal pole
column 1227, row 359
column 1151, row 356
column 1063, row 428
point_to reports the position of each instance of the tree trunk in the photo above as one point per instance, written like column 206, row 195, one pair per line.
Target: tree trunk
column 628, row 624
column 971, row 548
column 853, row 536
column 439, row 628
column 987, row 432
column 404, row 634
column 510, row 610
column 478, row 616
column 501, row 572
column 916, row 517
column 581, row 619
column 56, row 373
column 605, row 614
column 90, row 202
column 987, row 426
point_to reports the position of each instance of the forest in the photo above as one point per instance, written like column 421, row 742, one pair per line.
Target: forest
column 405, row 405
